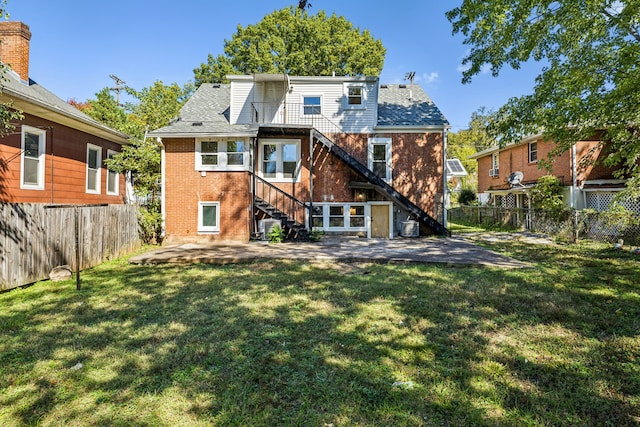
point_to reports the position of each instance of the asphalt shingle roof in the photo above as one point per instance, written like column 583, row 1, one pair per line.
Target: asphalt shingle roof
column 207, row 111
column 407, row 105
column 33, row 93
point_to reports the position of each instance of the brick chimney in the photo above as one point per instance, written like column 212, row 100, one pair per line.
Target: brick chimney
column 14, row 47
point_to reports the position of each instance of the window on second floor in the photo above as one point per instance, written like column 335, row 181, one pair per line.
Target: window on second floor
column 312, row 105
column 94, row 159
column 495, row 164
column 355, row 95
column 222, row 155
column 32, row 158
column 533, row 152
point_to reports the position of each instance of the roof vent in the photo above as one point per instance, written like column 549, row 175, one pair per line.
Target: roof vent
column 196, row 124
column 216, row 85
column 384, row 86
column 402, row 86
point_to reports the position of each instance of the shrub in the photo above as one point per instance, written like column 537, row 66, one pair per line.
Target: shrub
column 276, row 235
column 467, row 197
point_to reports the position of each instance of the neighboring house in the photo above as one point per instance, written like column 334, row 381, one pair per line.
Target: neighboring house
column 56, row 153
column 506, row 174
column 344, row 154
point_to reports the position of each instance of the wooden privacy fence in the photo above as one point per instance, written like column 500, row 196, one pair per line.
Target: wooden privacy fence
column 35, row 238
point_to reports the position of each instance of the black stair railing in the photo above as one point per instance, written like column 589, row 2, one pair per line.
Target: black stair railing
column 381, row 184
column 276, row 200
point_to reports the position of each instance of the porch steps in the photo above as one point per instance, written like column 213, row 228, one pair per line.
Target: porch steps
column 381, row 185
column 293, row 230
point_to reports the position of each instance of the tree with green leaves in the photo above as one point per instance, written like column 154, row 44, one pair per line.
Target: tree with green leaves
column 589, row 83
column 8, row 114
column 295, row 42
column 152, row 108
column 469, row 141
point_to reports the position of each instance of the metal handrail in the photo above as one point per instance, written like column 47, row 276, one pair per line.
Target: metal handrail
column 291, row 113
column 281, row 200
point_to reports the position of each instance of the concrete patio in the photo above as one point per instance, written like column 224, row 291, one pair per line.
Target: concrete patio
column 424, row 250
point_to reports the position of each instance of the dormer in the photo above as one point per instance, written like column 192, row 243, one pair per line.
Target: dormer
column 329, row 104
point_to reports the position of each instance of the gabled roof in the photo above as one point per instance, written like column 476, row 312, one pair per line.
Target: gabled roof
column 206, row 112
column 407, row 105
column 34, row 99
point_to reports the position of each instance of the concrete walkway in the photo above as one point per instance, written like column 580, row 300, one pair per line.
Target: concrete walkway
column 425, row 250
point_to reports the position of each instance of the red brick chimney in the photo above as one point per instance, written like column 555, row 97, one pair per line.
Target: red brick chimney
column 14, row 47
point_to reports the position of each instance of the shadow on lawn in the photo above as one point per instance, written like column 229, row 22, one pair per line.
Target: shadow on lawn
column 292, row 344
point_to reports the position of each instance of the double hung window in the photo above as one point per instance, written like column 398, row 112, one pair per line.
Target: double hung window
column 94, row 160
column 112, row 177
column 533, row 152
column 354, row 95
column 380, row 157
column 32, row 158
column 312, row 105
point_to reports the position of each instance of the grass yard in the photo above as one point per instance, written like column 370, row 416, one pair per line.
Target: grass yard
column 288, row 343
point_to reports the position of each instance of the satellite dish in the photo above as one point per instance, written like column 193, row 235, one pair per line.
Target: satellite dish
column 515, row 178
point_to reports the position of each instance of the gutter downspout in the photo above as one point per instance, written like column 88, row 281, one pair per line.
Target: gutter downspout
column 163, row 210
column 444, row 177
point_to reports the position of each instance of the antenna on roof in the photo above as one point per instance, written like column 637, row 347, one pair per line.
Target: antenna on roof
column 410, row 76
column 120, row 86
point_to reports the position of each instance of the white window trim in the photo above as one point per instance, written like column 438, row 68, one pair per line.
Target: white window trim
column 346, row 217
column 495, row 164
column 98, row 171
column 380, row 141
column 363, row 97
column 42, row 145
column 529, row 152
column 208, row 229
column 304, row 105
column 222, row 155
column 116, row 177
column 279, row 177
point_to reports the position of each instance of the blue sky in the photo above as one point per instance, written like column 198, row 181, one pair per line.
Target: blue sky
column 77, row 44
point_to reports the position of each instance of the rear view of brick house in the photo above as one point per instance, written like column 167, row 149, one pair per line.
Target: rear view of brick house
column 338, row 154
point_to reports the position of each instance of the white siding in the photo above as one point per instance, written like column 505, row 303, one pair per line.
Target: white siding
column 334, row 117
column 241, row 97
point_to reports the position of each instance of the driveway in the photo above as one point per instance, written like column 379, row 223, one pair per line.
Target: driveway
column 423, row 250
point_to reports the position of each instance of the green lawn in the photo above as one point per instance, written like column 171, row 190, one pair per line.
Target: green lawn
column 288, row 343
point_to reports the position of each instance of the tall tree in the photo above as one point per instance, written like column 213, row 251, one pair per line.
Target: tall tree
column 152, row 108
column 292, row 41
column 589, row 84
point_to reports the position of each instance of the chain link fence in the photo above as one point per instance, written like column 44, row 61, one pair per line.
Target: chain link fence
column 604, row 227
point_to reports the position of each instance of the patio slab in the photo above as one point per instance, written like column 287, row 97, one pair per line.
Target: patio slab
column 423, row 250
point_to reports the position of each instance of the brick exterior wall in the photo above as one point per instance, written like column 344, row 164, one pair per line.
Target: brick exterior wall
column 516, row 158
column 185, row 188
column 65, row 167
column 416, row 159
column 14, row 47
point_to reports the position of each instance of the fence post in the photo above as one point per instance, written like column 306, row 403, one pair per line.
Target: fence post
column 575, row 227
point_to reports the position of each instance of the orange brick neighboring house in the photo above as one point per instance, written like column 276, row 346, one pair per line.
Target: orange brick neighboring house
column 339, row 154
column 56, row 153
column 506, row 174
